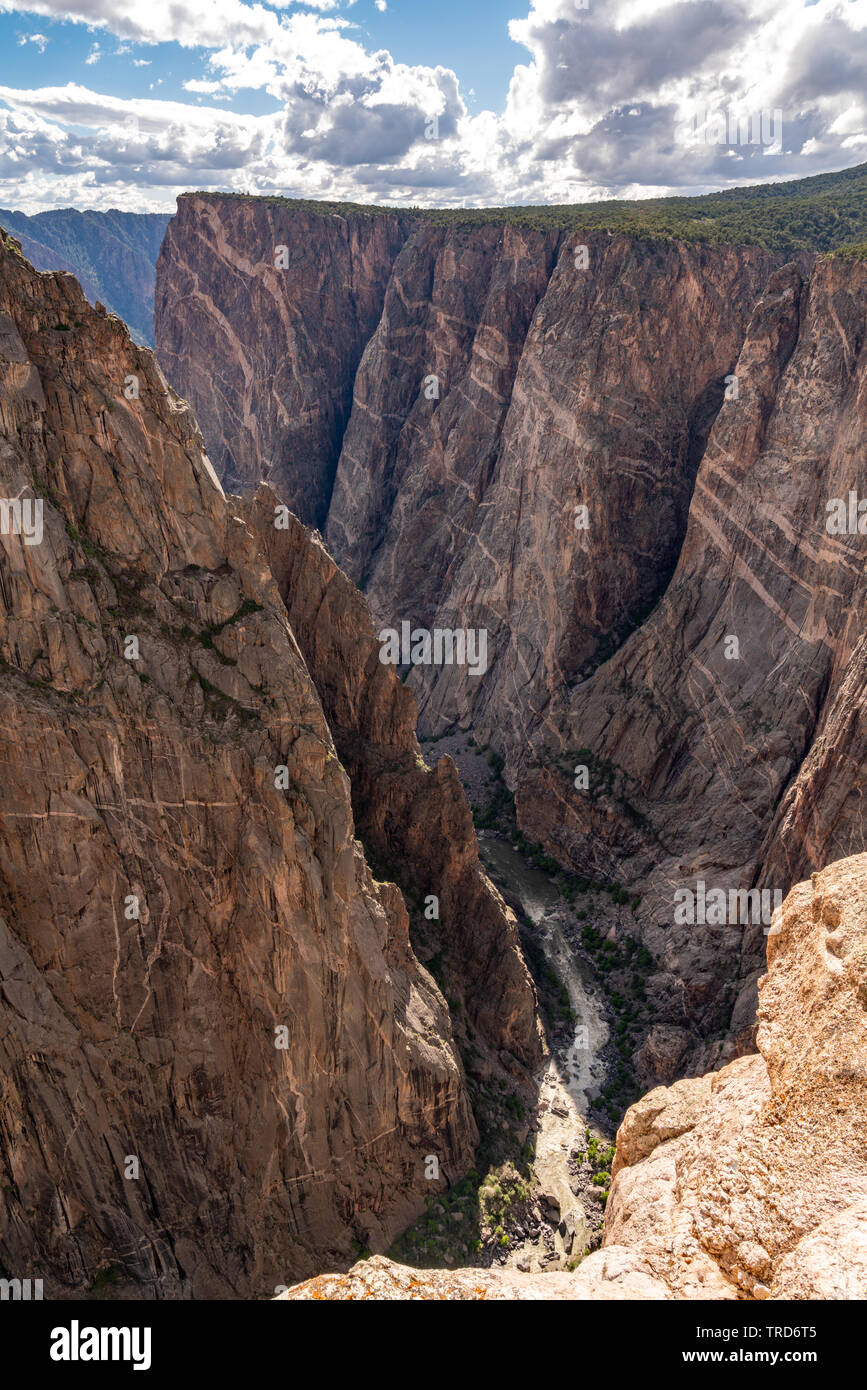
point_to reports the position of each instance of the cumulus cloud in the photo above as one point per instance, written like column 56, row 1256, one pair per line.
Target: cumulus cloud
column 618, row 99
column 192, row 23
column 609, row 92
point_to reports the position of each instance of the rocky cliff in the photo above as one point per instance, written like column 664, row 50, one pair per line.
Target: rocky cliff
column 221, row 1060
column 726, row 737
column 113, row 254
column 500, row 377
column 747, row 1183
column 415, row 822
column 567, row 388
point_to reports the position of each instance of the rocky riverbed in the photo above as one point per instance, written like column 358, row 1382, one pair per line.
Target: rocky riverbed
column 547, row 1213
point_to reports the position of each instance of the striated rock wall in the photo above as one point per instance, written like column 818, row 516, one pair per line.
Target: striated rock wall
column 704, row 404
column 164, row 906
column 431, row 399
column 262, row 313
column 561, row 387
column 495, row 385
column 744, row 770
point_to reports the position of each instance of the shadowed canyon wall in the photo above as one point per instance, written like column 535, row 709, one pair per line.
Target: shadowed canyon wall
column 266, row 356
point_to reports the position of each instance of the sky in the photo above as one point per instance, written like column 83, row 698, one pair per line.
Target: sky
column 126, row 103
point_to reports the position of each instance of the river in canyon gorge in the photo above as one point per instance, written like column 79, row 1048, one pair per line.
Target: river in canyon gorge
column 581, row 1065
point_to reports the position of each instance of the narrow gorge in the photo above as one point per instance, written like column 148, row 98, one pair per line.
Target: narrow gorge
column 433, row 862
column 613, row 454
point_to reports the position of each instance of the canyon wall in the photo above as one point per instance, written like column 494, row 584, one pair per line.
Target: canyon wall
column 262, row 313
column 496, row 384
column 415, row 822
column 221, row 1062
column 726, row 737
column 570, row 387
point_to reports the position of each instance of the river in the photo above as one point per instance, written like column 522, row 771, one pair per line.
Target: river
column 580, row 1065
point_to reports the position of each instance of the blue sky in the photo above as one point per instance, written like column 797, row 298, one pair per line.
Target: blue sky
column 452, row 102
column 470, row 36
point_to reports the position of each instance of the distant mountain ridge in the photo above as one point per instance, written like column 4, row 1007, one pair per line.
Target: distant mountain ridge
column 113, row 255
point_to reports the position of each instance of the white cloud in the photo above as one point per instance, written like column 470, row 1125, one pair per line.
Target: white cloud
column 594, row 109
column 40, row 41
column 192, row 23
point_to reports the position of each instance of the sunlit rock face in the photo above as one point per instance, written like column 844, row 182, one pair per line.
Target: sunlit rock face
column 221, row 1061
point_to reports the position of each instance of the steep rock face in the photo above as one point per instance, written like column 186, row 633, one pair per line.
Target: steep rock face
column 750, row 1182
column 561, row 387
column 431, row 397
column 165, row 909
column 415, row 822
column 508, row 383
column 739, row 767
column 262, row 313
column 502, row 384
column 113, row 254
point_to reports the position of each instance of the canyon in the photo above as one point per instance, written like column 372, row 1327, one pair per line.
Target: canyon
column 747, row 1183
column 613, row 453
column 329, row 971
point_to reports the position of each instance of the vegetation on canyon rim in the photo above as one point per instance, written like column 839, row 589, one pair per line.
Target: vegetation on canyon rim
column 825, row 212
